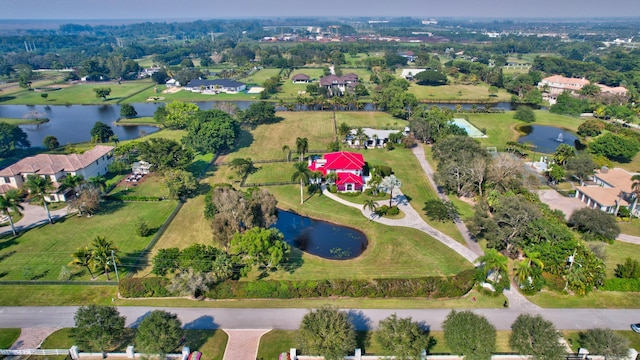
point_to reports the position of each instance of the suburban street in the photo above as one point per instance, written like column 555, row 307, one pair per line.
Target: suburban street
column 289, row 319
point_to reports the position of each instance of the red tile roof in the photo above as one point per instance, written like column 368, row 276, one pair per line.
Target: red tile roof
column 349, row 178
column 343, row 160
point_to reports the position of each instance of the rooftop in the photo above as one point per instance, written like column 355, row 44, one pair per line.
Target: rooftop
column 48, row 164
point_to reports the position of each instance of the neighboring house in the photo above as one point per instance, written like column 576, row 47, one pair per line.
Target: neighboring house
column 375, row 137
column 557, row 84
column 300, row 79
column 140, row 167
column 148, row 72
column 409, row 55
column 609, row 188
column 92, row 163
column 410, row 73
column 348, row 167
column 338, row 85
column 215, row 86
column 172, row 83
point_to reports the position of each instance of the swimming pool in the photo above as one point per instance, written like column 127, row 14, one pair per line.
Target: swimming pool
column 472, row 131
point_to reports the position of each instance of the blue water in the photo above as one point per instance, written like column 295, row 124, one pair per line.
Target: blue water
column 321, row 238
column 547, row 138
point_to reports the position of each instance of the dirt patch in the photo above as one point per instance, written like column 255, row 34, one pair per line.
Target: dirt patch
column 171, row 90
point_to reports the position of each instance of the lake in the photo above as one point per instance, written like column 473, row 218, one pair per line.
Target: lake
column 548, row 138
column 321, row 238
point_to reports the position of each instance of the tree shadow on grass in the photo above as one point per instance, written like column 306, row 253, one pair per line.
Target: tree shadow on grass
column 363, row 340
column 294, row 262
column 140, row 260
column 6, row 98
column 110, row 207
column 245, row 139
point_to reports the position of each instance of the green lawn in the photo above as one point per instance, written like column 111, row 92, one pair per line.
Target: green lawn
column 150, row 185
column 40, row 253
column 260, row 76
column 182, row 95
column 618, row 252
column 453, row 93
column 8, row 337
column 289, row 90
column 82, row 94
column 595, row 299
column 630, row 227
column 145, row 120
column 14, row 121
column 275, row 342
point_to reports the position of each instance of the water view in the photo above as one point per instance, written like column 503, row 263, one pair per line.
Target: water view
column 321, row 238
column 548, row 138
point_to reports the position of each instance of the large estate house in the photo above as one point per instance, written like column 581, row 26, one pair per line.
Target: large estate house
column 372, row 137
column 338, row 85
column 301, row 79
column 609, row 190
column 56, row 167
column 215, row 86
column 557, row 84
column 348, row 167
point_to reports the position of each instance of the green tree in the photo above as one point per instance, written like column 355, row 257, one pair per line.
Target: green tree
column 242, row 166
column 594, row 224
column 469, row 335
column 581, row 165
column 303, row 174
column 431, row 78
column 615, row 147
column 142, row 227
column 159, row 333
column 104, row 252
column 344, row 130
column 99, row 181
column 180, row 183
column 10, row 203
column 591, row 127
column 525, row 114
column 98, row 328
column 604, row 342
column 165, row 261
column 287, row 150
column 51, row 142
column 629, row 270
column 635, row 190
column 178, row 114
column 40, row 187
column 189, row 282
column 492, row 262
column 70, row 181
column 402, row 338
column 128, row 111
column 187, row 63
column 302, row 146
column 440, row 210
column 101, row 132
column 259, row 246
column 260, row 112
column 212, row 131
column 83, row 258
column 12, row 137
column 165, row 154
column 533, row 335
column 389, row 184
column 327, row 332
column 493, row 91
column 524, row 269
column 370, row 205
column 557, row 173
column 102, row 92
column 44, row 96
column 563, row 153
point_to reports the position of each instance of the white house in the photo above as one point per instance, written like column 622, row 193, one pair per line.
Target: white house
column 56, row 167
column 612, row 188
column 375, row 137
column 410, row 73
column 172, row 83
column 215, row 86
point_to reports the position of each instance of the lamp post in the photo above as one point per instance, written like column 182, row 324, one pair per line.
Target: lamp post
column 115, row 266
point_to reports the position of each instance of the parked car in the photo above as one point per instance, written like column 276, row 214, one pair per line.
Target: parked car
column 636, row 327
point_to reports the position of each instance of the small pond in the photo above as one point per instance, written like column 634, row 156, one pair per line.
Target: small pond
column 321, row 238
column 548, row 138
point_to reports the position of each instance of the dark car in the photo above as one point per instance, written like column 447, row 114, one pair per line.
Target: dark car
column 636, row 328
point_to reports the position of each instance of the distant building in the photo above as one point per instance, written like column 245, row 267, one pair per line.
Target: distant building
column 339, row 85
column 172, row 83
column 215, row 86
column 300, row 79
column 557, row 84
column 56, row 167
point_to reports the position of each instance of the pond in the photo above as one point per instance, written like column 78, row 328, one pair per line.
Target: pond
column 548, row 138
column 321, row 238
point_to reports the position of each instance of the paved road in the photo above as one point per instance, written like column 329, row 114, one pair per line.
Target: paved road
column 289, row 319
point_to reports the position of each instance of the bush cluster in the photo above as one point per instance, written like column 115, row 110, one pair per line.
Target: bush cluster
column 385, row 210
column 433, row 287
column 144, row 287
column 618, row 284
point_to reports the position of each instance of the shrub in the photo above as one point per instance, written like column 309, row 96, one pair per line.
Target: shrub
column 333, row 188
column 382, row 210
column 142, row 227
column 525, row 114
column 392, row 211
column 629, row 270
column 143, row 287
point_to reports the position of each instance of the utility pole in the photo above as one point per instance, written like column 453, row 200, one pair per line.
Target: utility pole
column 115, row 266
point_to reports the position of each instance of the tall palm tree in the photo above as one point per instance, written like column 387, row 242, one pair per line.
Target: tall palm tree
column 99, row 182
column 389, row 184
column 39, row 187
column 103, row 254
column 635, row 188
column 286, row 149
column 360, row 136
column 10, row 202
column 370, row 205
column 523, row 271
column 303, row 174
column 83, row 257
column 302, row 145
column 492, row 260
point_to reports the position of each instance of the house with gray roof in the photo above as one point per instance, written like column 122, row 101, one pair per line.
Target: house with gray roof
column 215, row 86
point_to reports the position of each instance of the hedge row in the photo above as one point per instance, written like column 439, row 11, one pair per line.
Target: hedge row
column 433, row 287
column 617, row 284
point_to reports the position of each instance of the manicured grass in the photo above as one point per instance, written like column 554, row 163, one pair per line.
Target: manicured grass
column 145, row 120
column 290, row 90
column 453, row 93
column 275, row 342
column 370, row 119
column 595, row 299
column 8, row 337
column 41, row 252
column 50, row 295
column 60, row 339
column 630, row 227
column 14, row 121
column 260, row 76
column 183, row 95
column 271, row 172
column 83, row 94
column 618, row 252
column 151, row 185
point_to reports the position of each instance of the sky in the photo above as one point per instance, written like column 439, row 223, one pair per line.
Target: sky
column 212, row 9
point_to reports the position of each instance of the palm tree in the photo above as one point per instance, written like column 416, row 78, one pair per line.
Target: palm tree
column 370, row 205
column 302, row 145
column 635, row 189
column 71, row 182
column 389, row 184
column 523, row 271
column 39, row 187
column 99, row 182
column 331, row 177
column 492, row 260
column 10, row 202
column 303, row 174
column 103, row 254
column 286, row 149
column 83, row 257
column 360, row 136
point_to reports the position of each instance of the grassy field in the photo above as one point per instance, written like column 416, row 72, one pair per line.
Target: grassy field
column 182, row 95
column 145, row 120
column 8, row 337
column 630, row 227
column 289, row 90
column 41, row 252
column 260, row 76
column 14, row 121
column 453, row 93
column 595, row 299
column 618, row 252
column 211, row 343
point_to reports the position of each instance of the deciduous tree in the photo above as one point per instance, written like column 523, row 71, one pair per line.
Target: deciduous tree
column 51, row 142
column 178, row 114
column 595, row 224
column 605, row 342
column 212, row 131
column 102, row 92
column 98, row 328
column 533, row 335
column 180, row 183
column 159, row 333
column 402, row 338
column 327, row 332
column 469, row 335
column 101, row 132
column 11, row 138
column 259, row 246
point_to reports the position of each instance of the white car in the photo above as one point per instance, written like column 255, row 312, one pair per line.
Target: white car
column 636, row 328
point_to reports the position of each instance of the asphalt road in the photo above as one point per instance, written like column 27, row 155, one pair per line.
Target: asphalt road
column 289, row 319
